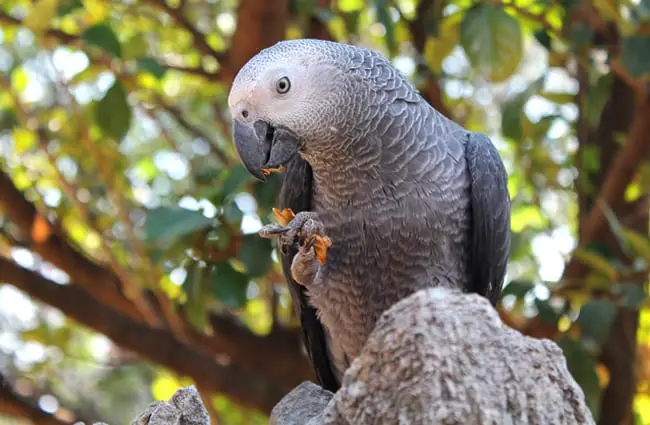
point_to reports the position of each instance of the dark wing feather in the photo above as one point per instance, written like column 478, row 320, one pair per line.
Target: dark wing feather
column 296, row 194
column 490, row 216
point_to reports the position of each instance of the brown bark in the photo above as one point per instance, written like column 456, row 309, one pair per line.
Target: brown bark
column 627, row 110
column 22, row 407
column 260, row 24
column 431, row 91
column 285, row 364
column 616, row 174
column 102, row 283
column 156, row 345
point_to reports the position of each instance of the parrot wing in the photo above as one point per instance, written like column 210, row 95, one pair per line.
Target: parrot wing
column 490, row 217
column 296, row 193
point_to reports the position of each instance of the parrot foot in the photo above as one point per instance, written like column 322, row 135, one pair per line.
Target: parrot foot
column 305, row 228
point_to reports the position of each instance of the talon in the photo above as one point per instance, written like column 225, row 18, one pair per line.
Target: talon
column 272, row 230
column 310, row 243
column 284, row 216
column 321, row 244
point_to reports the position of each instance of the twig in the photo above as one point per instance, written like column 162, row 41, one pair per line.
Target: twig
column 169, row 139
column 20, row 406
column 177, row 113
column 618, row 176
column 199, row 39
column 637, row 85
column 199, row 71
column 525, row 13
column 206, row 396
column 75, row 40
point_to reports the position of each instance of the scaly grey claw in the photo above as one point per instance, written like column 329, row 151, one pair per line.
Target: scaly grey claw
column 272, row 230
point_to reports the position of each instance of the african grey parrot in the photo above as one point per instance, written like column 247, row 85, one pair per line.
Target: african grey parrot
column 407, row 198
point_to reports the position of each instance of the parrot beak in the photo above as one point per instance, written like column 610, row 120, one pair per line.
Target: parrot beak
column 264, row 148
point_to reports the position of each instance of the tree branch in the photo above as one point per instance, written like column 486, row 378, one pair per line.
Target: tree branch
column 24, row 407
column 200, row 41
column 432, row 91
column 618, row 176
column 229, row 337
column 101, row 283
column 260, row 24
column 59, row 35
column 154, row 344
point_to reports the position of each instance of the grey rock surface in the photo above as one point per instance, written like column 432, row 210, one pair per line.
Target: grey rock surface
column 183, row 408
column 442, row 357
column 304, row 405
column 438, row 357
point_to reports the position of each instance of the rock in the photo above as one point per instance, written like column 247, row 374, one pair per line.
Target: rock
column 443, row 357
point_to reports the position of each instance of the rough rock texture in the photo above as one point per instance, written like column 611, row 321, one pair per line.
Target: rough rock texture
column 440, row 357
column 437, row 357
column 184, row 408
column 304, row 405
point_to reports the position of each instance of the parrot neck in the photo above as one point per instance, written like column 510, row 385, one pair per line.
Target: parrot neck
column 389, row 156
column 369, row 176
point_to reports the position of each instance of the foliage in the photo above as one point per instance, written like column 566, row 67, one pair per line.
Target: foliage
column 124, row 187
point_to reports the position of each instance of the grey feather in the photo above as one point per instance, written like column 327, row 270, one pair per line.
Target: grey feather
column 409, row 198
column 490, row 216
column 296, row 194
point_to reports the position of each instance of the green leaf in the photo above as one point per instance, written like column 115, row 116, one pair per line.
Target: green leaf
column 165, row 224
column 596, row 262
column 40, row 15
column 238, row 175
column 634, row 52
column 303, row 7
column 436, row 49
column 68, row 6
column 596, row 318
column 580, row 34
column 639, row 243
column 195, row 289
column 632, row 295
column 546, row 312
column 8, row 119
column 134, row 47
column 152, row 66
column 266, row 193
column 324, row 14
column 24, row 140
column 597, row 96
column 103, row 37
column 113, row 112
column 643, row 11
column 513, row 119
column 229, row 285
column 492, row 40
column 527, row 216
column 559, row 98
column 255, row 254
column 518, row 288
column 232, row 213
column 543, row 38
column 350, row 5
column 383, row 16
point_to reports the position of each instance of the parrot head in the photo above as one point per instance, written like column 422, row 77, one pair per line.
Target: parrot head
column 282, row 102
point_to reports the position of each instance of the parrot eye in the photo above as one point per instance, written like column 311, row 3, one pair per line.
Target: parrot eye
column 283, row 85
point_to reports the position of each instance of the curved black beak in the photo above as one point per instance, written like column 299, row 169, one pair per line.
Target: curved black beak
column 263, row 148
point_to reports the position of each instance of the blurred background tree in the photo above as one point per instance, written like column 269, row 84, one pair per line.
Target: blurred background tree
column 130, row 262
